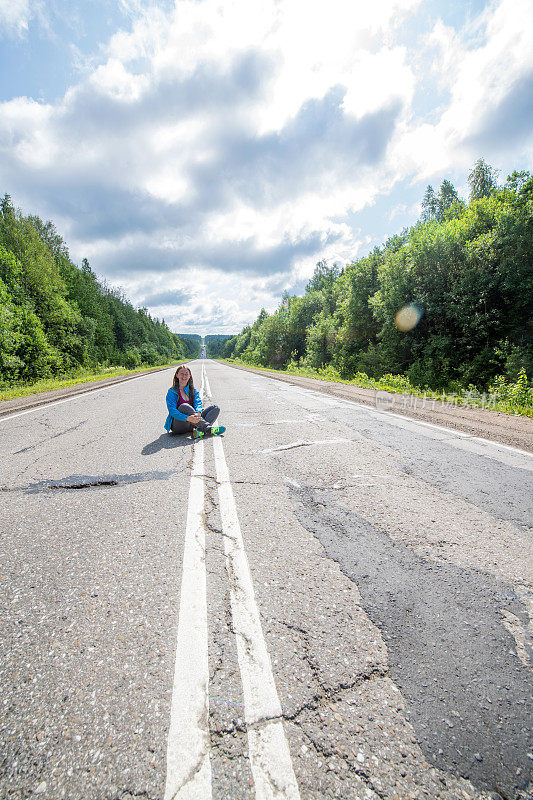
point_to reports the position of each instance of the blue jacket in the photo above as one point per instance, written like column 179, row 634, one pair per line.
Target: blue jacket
column 172, row 405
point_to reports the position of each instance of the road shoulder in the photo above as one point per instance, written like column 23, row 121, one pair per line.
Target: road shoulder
column 507, row 429
column 43, row 398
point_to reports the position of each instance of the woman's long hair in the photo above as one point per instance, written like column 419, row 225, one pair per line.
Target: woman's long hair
column 190, row 383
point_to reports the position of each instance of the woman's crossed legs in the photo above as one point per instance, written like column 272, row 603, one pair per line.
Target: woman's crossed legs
column 209, row 415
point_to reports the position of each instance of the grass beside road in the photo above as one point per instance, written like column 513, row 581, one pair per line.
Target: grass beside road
column 10, row 392
column 508, row 397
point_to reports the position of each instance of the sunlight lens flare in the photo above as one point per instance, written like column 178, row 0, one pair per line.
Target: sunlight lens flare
column 407, row 318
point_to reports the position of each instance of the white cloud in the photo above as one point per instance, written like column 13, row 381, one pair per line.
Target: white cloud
column 114, row 80
column 483, row 75
column 219, row 148
column 15, row 16
column 377, row 79
column 478, row 67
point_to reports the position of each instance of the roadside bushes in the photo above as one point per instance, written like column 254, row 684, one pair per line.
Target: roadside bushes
column 514, row 394
column 466, row 270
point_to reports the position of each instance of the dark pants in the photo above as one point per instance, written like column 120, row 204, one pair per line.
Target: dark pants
column 209, row 415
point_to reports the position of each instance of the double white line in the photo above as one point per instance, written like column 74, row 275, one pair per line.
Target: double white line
column 188, row 760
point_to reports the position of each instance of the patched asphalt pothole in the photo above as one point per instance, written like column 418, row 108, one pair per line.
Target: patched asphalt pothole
column 468, row 692
column 90, row 481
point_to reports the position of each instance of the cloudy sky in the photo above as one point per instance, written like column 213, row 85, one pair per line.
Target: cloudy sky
column 204, row 155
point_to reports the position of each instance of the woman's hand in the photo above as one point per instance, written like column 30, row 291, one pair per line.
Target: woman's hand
column 194, row 418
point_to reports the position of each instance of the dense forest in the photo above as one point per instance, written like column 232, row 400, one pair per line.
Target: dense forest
column 192, row 343
column 447, row 302
column 56, row 318
column 215, row 343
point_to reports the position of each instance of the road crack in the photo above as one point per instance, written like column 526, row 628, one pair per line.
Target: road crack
column 329, row 753
column 438, row 622
column 56, row 436
column 307, row 655
column 129, row 794
column 294, row 445
column 193, row 772
column 313, row 704
column 333, row 694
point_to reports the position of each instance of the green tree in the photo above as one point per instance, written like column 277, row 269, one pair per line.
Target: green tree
column 355, row 320
column 448, row 199
column 215, row 344
column 321, row 341
column 323, row 277
column 301, row 315
column 517, row 180
column 482, row 180
column 430, row 205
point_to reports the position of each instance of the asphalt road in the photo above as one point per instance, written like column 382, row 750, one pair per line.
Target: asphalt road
column 327, row 602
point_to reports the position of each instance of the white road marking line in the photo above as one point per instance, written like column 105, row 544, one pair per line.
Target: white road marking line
column 269, row 753
column 44, row 406
column 205, row 380
column 386, row 415
column 456, row 433
column 188, row 765
column 409, row 423
column 500, row 446
column 82, row 393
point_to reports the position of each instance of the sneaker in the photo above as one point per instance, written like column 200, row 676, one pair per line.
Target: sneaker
column 218, row 431
column 196, row 434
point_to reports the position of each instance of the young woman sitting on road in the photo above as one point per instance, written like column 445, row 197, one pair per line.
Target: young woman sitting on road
column 185, row 413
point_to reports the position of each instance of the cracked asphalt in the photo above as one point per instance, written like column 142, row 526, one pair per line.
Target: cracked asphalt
column 391, row 566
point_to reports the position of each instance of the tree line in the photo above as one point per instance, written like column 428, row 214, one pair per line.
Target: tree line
column 56, row 317
column 447, row 302
column 214, row 343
